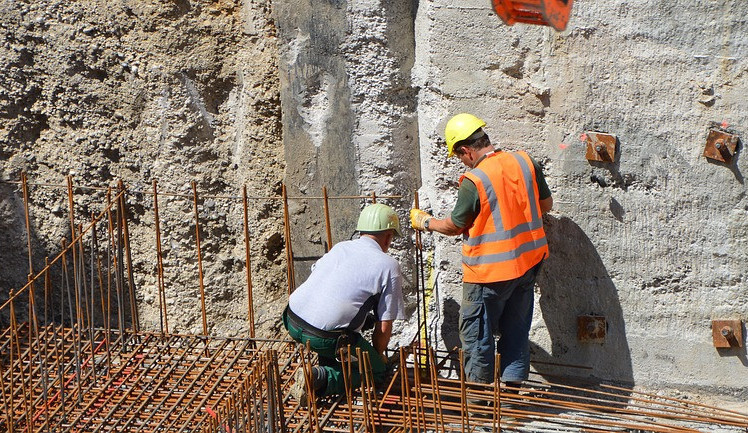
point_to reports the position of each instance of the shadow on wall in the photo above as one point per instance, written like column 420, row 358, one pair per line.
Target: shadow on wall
column 62, row 283
column 14, row 262
column 574, row 282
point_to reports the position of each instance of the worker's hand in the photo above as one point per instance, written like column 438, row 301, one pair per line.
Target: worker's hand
column 418, row 219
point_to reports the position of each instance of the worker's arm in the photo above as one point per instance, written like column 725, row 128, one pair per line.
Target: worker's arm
column 445, row 226
column 546, row 204
column 381, row 337
column 466, row 209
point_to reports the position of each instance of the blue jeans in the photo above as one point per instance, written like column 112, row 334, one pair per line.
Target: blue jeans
column 490, row 309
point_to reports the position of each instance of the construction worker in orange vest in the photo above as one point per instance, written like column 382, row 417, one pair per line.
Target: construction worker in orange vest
column 499, row 211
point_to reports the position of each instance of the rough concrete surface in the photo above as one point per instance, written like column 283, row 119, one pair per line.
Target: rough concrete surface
column 177, row 91
column 658, row 246
column 360, row 91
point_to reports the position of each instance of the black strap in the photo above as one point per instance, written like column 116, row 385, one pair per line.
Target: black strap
column 300, row 323
column 369, row 305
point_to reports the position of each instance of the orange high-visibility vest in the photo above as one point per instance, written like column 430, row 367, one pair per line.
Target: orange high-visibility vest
column 507, row 237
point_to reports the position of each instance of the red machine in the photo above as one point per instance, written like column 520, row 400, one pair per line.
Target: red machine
column 554, row 13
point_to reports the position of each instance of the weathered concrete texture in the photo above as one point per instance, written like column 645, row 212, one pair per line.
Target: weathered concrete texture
column 658, row 245
column 140, row 90
column 348, row 113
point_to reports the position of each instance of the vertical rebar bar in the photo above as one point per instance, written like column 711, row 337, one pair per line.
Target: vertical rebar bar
column 45, row 365
column 463, row 395
column 289, row 250
column 405, row 392
column 15, row 341
column 199, row 259
column 497, row 394
column 7, row 401
column 33, row 343
column 345, row 362
column 163, row 319
column 128, row 255
column 115, row 260
column 326, row 208
column 368, row 428
column 421, row 285
column 436, row 391
column 248, row 264
column 24, row 184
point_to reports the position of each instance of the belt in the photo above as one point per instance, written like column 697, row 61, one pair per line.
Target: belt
column 300, row 323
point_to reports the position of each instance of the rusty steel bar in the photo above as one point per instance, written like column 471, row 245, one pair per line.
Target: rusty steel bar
column 289, row 250
column 112, row 266
column 173, row 364
column 463, row 395
column 199, row 260
column 163, row 319
column 128, row 256
column 96, row 253
column 183, row 377
column 125, row 365
column 248, row 264
column 437, row 394
column 32, row 342
column 205, row 374
column 218, row 382
column 24, row 185
column 497, row 393
column 182, row 195
column 345, row 362
column 326, row 208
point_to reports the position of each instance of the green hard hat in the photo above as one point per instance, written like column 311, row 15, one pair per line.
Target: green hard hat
column 378, row 218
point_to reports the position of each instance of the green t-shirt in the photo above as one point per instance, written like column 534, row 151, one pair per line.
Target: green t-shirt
column 468, row 202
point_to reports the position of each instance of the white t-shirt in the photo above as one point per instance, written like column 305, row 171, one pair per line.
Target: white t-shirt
column 343, row 280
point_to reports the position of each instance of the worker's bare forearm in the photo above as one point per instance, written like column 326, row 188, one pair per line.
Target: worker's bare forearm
column 382, row 335
column 546, row 204
column 444, row 226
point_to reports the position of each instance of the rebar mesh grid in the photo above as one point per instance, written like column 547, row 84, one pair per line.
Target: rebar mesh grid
column 150, row 382
column 79, row 363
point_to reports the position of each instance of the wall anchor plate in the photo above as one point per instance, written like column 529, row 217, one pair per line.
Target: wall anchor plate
column 720, row 146
column 727, row 333
column 600, row 146
column 591, row 329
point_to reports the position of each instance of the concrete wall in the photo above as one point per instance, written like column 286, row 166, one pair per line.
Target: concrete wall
column 658, row 246
column 655, row 242
column 348, row 113
column 137, row 90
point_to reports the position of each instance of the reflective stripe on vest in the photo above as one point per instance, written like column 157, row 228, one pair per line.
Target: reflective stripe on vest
column 497, row 255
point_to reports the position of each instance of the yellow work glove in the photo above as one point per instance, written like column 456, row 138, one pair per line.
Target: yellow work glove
column 418, row 219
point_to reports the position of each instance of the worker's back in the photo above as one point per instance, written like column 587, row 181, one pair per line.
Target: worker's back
column 343, row 280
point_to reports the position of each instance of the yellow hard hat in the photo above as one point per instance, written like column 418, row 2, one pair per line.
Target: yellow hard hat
column 459, row 128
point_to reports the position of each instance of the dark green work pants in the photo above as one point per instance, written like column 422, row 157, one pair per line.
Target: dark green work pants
column 325, row 349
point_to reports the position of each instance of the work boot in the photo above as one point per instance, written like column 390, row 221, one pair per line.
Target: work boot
column 299, row 389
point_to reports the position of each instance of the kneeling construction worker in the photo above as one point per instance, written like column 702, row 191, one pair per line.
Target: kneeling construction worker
column 354, row 279
column 499, row 211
